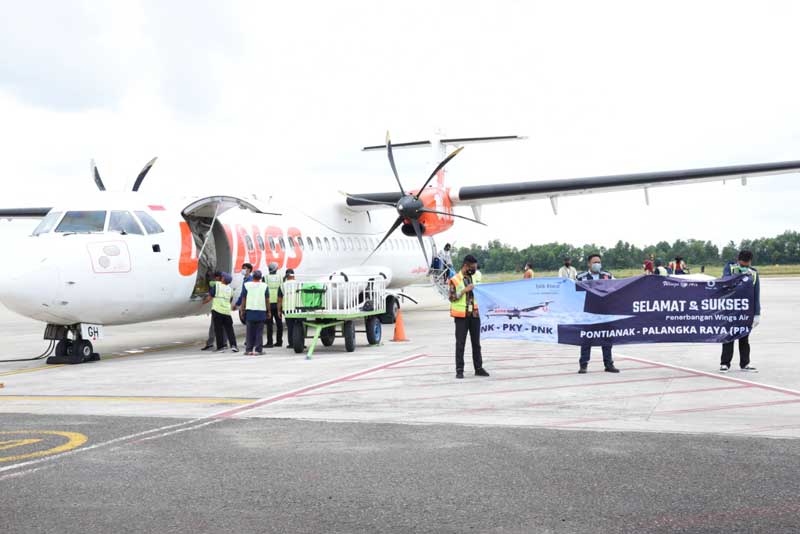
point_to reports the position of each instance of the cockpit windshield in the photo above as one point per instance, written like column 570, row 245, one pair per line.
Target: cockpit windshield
column 47, row 223
column 82, row 222
column 124, row 223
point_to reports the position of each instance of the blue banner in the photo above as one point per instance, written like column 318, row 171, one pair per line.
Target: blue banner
column 642, row 309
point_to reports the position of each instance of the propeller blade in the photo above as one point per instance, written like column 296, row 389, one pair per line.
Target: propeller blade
column 418, row 231
column 97, row 179
column 439, row 167
column 362, row 199
column 391, row 162
column 394, row 227
column 427, row 210
column 142, row 174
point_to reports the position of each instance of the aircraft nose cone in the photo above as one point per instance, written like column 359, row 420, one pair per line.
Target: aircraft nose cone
column 31, row 288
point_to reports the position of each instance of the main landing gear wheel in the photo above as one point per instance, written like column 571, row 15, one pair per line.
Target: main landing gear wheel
column 63, row 348
column 392, row 307
column 81, row 351
column 327, row 335
column 373, row 330
column 349, row 332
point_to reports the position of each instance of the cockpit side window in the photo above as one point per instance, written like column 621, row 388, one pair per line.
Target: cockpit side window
column 151, row 226
column 124, row 223
column 47, row 223
column 82, row 222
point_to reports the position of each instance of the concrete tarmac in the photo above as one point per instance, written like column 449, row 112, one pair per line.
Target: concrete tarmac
column 384, row 439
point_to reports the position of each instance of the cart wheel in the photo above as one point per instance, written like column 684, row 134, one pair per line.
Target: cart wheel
column 373, row 330
column 349, row 330
column 327, row 335
column 298, row 337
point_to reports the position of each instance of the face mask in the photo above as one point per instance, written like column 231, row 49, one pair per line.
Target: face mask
column 597, row 267
column 470, row 271
column 244, row 272
column 567, row 263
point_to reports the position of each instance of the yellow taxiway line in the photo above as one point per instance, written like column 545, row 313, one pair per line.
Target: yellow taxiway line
column 185, row 400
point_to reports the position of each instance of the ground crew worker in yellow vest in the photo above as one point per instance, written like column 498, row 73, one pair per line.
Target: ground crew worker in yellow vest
column 255, row 303
column 275, row 306
column 464, row 311
column 220, row 296
column 213, row 278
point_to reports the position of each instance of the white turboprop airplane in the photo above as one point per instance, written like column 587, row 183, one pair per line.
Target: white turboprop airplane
column 121, row 258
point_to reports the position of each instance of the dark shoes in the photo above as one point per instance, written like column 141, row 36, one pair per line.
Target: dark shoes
column 208, row 347
column 459, row 374
column 582, row 370
column 481, row 372
column 611, row 369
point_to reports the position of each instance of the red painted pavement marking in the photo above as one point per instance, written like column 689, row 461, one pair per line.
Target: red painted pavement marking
column 300, row 391
column 728, row 407
column 614, row 398
column 429, row 373
column 545, row 388
column 451, row 383
column 717, row 376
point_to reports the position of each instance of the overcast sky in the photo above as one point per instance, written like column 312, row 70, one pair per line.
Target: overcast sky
column 249, row 94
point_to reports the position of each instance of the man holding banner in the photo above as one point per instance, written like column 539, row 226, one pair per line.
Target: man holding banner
column 595, row 272
column 742, row 266
column 464, row 311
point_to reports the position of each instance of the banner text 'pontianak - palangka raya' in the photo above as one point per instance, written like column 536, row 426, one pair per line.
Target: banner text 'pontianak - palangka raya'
column 642, row 309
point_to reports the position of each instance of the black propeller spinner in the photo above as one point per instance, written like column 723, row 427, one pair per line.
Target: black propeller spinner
column 136, row 184
column 409, row 207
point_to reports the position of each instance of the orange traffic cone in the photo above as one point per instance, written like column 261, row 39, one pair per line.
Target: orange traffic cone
column 399, row 328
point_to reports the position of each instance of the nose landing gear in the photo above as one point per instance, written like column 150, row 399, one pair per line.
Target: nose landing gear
column 70, row 350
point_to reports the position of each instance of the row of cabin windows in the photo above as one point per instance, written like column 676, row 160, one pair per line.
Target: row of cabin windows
column 335, row 244
column 81, row 222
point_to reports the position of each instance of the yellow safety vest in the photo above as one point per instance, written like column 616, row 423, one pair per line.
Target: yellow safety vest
column 256, row 300
column 274, row 284
column 458, row 308
column 222, row 299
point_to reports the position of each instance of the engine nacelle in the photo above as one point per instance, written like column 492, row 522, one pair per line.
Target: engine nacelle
column 438, row 199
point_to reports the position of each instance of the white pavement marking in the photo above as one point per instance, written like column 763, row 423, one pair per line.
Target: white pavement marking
column 199, row 422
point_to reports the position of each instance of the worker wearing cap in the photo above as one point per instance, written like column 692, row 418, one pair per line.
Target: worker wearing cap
column 275, row 306
column 255, row 303
column 222, row 293
column 464, row 311
column 291, row 324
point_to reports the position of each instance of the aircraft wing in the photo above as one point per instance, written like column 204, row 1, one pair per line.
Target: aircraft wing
column 510, row 192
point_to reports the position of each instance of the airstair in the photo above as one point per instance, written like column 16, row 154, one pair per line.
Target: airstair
column 439, row 278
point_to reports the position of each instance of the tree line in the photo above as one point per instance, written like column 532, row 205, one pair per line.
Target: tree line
column 499, row 257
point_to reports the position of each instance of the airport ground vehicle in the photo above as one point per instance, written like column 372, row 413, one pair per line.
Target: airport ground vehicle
column 331, row 309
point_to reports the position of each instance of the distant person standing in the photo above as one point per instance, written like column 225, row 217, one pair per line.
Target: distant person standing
column 744, row 265
column 528, row 270
column 275, row 307
column 648, row 265
column 255, row 302
column 595, row 272
column 659, row 269
column 222, row 293
column 445, row 256
column 567, row 270
column 678, row 266
column 291, row 324
column 464, row 311
column 213, row 278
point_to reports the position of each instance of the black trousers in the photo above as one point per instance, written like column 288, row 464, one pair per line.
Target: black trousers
column 586, row 354
column 255, row 336
column 471, row 325
column 278, row 324
column 744, row 352
column 223, row 327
